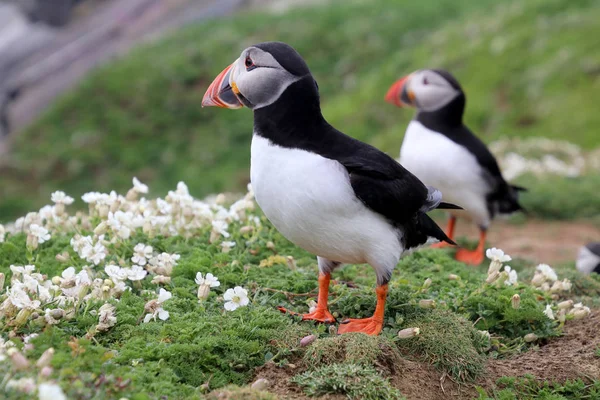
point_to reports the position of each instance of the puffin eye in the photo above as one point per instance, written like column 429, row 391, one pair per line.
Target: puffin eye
column 425, row 81
column 249, row 63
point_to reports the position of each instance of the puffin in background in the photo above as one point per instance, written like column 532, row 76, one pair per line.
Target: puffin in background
column 442, row 152
column 588, row 259
column 334, row 196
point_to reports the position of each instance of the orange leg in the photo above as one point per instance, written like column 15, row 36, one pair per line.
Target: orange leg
column 321, row 313
column 372, row 325
column 449, row 233
column 473, row 257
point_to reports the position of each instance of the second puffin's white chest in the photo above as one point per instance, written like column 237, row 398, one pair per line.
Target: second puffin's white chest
column 439, row 162
column 310, row 200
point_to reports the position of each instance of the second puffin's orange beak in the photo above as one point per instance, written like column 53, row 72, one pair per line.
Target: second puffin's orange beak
column 221, row 93
column 399, row 95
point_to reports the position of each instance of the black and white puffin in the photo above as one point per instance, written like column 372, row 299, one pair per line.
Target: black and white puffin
column 442, row 152
column 588, row 259
column 334, row 196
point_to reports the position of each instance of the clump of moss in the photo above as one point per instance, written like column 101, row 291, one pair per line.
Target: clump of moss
column 352, row 380
column 447, row 341
column 353, row 348
column 240, row 393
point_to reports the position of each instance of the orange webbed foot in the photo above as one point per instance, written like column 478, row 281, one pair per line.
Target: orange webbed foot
column 471, row 257
column 369, row 326
column 320, row 315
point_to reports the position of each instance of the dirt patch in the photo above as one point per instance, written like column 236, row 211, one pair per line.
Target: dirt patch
column 549, row 242
column 417, row 380
column 279, row 383
column 569, row 357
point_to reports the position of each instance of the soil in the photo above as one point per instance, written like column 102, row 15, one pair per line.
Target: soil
column 571, row 356
column 550, row 242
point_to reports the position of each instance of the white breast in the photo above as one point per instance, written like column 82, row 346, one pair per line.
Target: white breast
column 447, row 166
column 309, row 199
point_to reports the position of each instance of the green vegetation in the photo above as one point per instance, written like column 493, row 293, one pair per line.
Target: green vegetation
column 528, row 388
column 528, row 68
column 354, row 381
column 201, row 348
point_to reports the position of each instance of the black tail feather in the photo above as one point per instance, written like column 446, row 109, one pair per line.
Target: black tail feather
column 448, row 206
column 431, row 229
column 519, row 188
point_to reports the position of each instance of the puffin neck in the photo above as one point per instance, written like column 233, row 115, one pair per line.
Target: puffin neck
column 449, row 116
column 294, row 118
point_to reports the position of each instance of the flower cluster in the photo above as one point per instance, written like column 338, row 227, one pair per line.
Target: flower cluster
column 508, row 276
column 541, row 156
column 545, row 279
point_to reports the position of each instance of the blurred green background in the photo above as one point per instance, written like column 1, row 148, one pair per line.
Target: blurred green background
column 530, row 68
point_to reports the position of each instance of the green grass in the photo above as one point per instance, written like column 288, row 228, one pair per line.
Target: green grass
column 201, row 347
column 528, row 388
column 354, row 381
column 528, row 68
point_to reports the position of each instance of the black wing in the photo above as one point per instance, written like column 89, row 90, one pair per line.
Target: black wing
column 389, row 189
column 501, row 198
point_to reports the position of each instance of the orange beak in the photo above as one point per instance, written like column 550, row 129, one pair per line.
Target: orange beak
column 399, row 95
column 221, row 93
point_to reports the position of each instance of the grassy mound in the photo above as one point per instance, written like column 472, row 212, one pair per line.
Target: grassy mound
column 142, row 114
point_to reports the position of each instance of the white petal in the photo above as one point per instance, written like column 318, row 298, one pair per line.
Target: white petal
column 147, row 318
column 163, row 314
column 164, row 295
column 229, row 293
column 231, row 306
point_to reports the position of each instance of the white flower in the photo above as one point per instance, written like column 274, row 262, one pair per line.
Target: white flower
column 136, row 273
column 78, row 242
column 115, row 272
column 91, row 197
column 2, row 233
column 165, row 263
column 94, row 254
column 60, row 197
column 155, row 305
column 548, row 311
column 547, row 272
column 39, row 232
column 495, row 254
column 106, row 317
column 566, row 285
column 220, row 227
column 24, row 270
column 21, row 300
column 50, row 391
column 226, row 246
column 82, row 279
column 236, row 297
column 139, row 186
column 512, row 276
column 120, row 222
column 141, row 253
column 210, row 280
column 24, row 385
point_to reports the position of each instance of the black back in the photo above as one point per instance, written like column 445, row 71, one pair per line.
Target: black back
column 448, row 120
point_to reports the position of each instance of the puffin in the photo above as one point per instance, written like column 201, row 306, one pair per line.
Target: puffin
column 443, row 152
column 334, row 196
column 588, row 258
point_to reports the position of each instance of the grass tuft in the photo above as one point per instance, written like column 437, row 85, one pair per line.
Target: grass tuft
column 351, row 380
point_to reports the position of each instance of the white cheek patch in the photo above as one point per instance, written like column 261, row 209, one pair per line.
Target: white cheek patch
column 431, row 98
column 264, row 85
